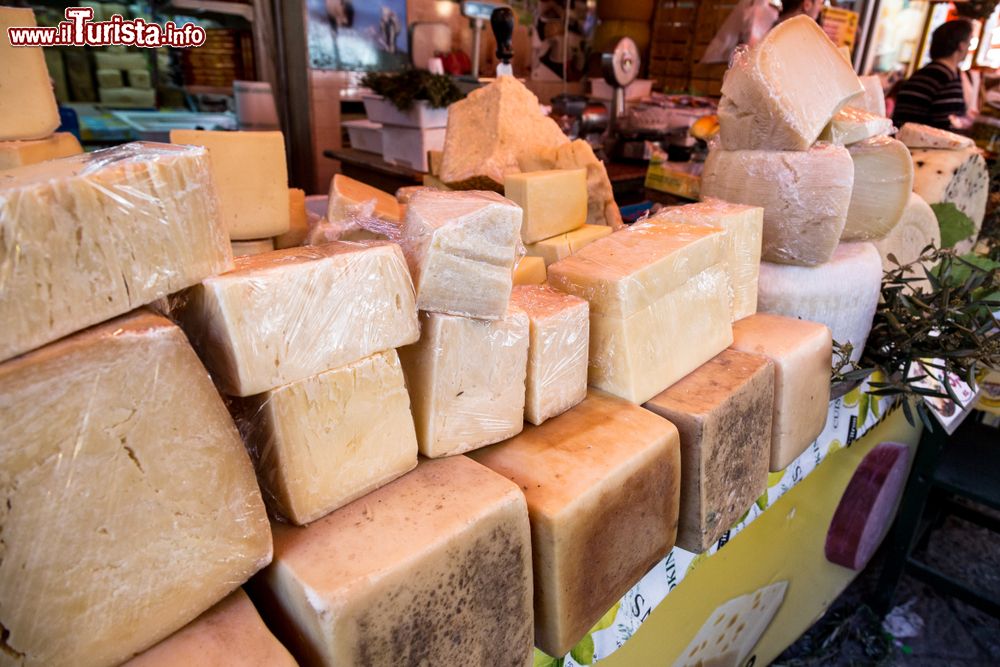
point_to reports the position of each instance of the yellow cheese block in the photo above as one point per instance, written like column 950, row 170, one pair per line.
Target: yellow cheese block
column 529, row 271
column 255, row 247
column 563, row 245
column 298, row 221
column 554, row 201
column 27, row 104
column 21, row 153
column 349, row 197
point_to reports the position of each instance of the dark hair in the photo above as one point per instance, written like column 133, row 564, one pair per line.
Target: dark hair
column 789, row 6
column 947, row 37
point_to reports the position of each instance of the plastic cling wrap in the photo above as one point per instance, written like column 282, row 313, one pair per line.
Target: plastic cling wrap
column 852, row 125
column 915, row 135
column 93, row 236
column 130, row 505
column 883, row 180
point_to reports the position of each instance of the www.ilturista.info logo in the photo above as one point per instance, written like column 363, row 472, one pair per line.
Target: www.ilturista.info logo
column 79, row 30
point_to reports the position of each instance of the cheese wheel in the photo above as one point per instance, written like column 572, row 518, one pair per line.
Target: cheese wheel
column 917, row 229
column 956, row 176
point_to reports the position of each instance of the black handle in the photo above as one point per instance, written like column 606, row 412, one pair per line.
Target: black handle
column 502, row 22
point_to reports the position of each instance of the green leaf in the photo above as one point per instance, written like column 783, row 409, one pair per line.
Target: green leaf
column 608, row 619
column 863, row 408
column 583, row 652
column 955, row 225
column 543, row 660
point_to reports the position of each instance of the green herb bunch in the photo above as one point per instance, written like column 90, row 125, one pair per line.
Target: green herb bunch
column 404, row 88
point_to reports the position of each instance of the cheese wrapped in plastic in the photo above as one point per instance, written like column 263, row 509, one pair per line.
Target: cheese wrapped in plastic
column 852, row 125
column 358, row 212
column 883, row 180
column 873, row 99
column 915, row 135
column 93, row 236
column 563, row 245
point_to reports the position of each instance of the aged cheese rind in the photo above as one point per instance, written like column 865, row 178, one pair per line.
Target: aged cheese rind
column 131, row 505
column 602, row 486
column 805, row 196
column 917, row 229
column 298, row 221
column 915, row 135
column 433, row 569
column 852, row 125
column 723, row 413
column 801, row 352
column 873, row 98
column 467, row 380
column 957, row 176
column 529, row 271
column 290, row 314
column 554, row 201
column 883, row 180
column 93, row 236
column 27, row 104
column 22, row 153
column 563, row 245
column 322, row 442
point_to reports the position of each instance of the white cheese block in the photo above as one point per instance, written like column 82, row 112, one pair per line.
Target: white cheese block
column 917, row 229
column 128, row 98
column 461, row 248
column 298, row 221
column 805, row 196
column 433, row 569
column 139, row 78
column 781, row 93
column 131, row 505
column 255, row 247
column 852, row 125
column 563, row 245
column 957, row 176
column 27, row 104
column 21, row 153
column 553, row 201
column 110, row 78
column 842, row 294
column 883, row 180
column 250, row 176
column 873, row 98
column 90, row 237
column 915, row 135
column 557, row 350
column 529, row 271
column 120, row 60
column 289, row 314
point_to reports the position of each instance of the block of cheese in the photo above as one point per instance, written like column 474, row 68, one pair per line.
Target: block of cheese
column 957, row 176
column 93, row 236
column 883, row 180
column 744, row 227
column 805, row 196
column 298, row 221
column 433, row 569
column 781, row 93
column 21, row 153
column 801, row 353
column 917, row 229
column 529, row 271
column 128, row 98
column 723, row 413
column 557, row 350
column 120, row 61
column 27, row 104
column 842, row 294
column 915, row 135
column 852, row 125
column 230, row 633
column 110, row 78
column 554, row 201
column 490, row 130
column 139, row 78
column 873, row 97
column 250, row 176
column 321, row 442
column 602, row 483
column 131, row 505
column 467, row 380
column 563, row 245
column 461, row 248
column 290, row 314
column 351, row 198
column 255, row 247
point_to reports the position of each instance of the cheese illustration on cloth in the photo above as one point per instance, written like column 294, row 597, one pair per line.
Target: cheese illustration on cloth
column 290, row 314
column 27, row 104
column 557, row 350
column 723, row 413
column 915, row 135
column 801, row 352
column 448, row 583
column 22, row 153
column 883, row 180
column 91, row 237
column 956, row 176
column 321, row 442
column 298, row 221
column 462, row 248
column 842, row 294
column 805, row 196
column 250, row 177
column 554, row 201
column 917, row 229
column 529, row 271
column 467, row 380
column 852, row 125
column 256, row 247
column 780, row 94
column 873, row 98
column 131, row 505
column 563, row 245
column 602, row 483
column 363, row 212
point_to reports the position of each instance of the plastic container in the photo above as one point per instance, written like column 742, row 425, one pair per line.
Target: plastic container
column 364, row 135
column 422, row 114
column 408, row 146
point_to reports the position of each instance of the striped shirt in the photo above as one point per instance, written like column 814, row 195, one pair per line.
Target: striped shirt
column 932, row 94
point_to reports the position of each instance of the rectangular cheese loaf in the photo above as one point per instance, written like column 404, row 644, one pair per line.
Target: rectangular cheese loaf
column 27, row 104
column 563, row 245
column 554, row 201
column 21, row 153
column 529, row 271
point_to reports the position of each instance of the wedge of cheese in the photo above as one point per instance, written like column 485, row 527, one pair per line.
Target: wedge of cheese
column 852, row 125
column 94, row 236
column 352, row 198
column 917, row 229
column 563, row 245
column 956, row 176
column 131, row 505
column 432, row 569
column 461, row 248
column 467, row 380
column 781, row 93
column 553, row 201
column 290, row 314
column 22, row 153
column 883, row 180
column 873, row 98
column 805, row 196
column 529, row 271
column 298, row 221
column 801, row 352
column 255, row 247
column 915, row 135
column 602, row 483
column 27, row 104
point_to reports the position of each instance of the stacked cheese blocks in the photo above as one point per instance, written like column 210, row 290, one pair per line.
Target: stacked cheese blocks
column 124, row 78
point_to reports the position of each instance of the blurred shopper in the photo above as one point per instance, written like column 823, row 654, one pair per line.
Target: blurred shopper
column 935, row 92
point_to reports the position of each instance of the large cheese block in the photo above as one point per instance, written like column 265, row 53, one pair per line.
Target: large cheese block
column 557, row 350
column 852, row 125
column 602, row 485
column 801, row 352
column 744, row 226
column 433, row 569
column 873, row 97
column 723, row 413
column 883, row 180
column 21, row 153
column 467, row 380
column 563, row 245
column 554, row 201
column 842, row 294
column 805, row 196
column 289, row 314
column 250, row 176
column 321, row 442
column 131, row 505
column 529, row 271
column 94, row 236
column 230, row 633
column 915, row 135
column 461, row 248
column 917, row 229
column 781, row 93
column 956, row 176
column 255, row 247
column 27, row 104
column 298, row 221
